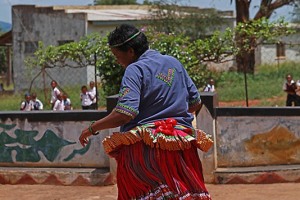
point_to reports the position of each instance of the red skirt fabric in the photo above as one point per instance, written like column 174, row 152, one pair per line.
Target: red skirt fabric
column 144, row 172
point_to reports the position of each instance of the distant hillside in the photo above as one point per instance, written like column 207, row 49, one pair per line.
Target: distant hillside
column 4, row 27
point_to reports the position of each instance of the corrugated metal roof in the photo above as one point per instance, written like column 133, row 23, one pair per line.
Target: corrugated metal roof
column 112, row 14
column 109, row 12
column 124, row 12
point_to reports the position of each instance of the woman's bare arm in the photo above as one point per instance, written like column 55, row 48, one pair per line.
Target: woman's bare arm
column 114, row 119
column 195, row 108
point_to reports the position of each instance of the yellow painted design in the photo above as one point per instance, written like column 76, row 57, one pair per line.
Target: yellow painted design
column 278, row 146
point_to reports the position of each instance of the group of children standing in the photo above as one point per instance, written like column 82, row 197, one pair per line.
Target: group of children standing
column 89, row 97
column 31, row 103
column 292, row 88
column 60, row 101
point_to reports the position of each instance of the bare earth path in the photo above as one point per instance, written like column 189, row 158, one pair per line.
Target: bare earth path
column 282, row 191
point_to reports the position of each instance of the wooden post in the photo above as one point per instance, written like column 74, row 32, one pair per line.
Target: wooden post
column 9, row 67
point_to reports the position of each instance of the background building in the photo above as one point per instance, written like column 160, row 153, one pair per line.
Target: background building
column 57, row 26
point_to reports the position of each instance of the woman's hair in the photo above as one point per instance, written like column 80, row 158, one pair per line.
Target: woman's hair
column 128, row 36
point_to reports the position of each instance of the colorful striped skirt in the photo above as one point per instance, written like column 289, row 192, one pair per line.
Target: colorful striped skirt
column 152, row 165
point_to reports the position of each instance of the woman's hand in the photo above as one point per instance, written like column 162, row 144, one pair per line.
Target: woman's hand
column 114, row 119
column 84, row 137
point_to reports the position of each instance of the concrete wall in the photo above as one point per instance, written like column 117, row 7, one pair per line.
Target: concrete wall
column 255, row 139
column 243, row 138
column 32, row 24
column 248, row 138
column 205, row 122
column 50, row 139
column 266, row 53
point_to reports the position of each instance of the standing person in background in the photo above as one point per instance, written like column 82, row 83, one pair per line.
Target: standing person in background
column 85, row 97
column 37, row 104
column 59, row 103
column 67, row 102
column 156, row 150
column 27, row 104
column 54, row 93
column 93, row 95
column 297, row 90
column 210, row 87
column 290, row 88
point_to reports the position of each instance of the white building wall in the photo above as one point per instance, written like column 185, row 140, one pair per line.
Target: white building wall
column 33, row 24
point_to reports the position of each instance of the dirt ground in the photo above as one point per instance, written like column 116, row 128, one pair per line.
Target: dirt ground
column 282, row 191
column 255, row 102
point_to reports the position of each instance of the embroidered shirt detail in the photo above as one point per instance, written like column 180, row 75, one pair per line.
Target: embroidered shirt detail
column 123, row 92
column 127, row 110
column 169, row 78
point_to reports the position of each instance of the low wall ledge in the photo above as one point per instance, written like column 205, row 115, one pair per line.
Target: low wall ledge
column 258, row 111
column 44, row 116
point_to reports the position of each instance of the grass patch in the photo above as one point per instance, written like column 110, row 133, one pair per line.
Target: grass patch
column 265, row 84
column 13, row 101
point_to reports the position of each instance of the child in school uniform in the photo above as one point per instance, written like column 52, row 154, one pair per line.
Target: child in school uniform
column 297, row 91
column 27, row 104
column 86, row 99
column 93, row 95
column 289, row 86
column 54, row 93
column 67, row 102
column 210, row 87
column 37, row 104
column 59, row 103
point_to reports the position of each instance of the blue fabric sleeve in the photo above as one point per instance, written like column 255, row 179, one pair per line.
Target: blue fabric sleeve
column 194, row 96
column 129, row 94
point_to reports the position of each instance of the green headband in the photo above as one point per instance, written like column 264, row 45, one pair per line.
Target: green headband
column 120, row 44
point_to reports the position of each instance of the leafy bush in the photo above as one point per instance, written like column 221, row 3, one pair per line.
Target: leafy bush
column 180, row 47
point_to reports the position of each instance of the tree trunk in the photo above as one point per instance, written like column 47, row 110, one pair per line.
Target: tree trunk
column 242, row 8
column 246, row 62
column 244, row 59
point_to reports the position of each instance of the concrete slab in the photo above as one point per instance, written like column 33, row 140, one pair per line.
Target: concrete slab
column 258, row 175
column 56, row 176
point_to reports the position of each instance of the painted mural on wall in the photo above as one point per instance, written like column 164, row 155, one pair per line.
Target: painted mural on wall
column 280, row 144
column 255, row 141
column 27, row 146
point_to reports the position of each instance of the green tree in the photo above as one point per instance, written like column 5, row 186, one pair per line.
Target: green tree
column 114, row 2
column 147, row 2
column 83, row 53
column 182, row 48
column 246, row 59
column 171, row 16
column 191, row 53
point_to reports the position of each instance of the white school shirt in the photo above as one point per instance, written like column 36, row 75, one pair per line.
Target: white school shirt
column 54, row 94
column 59, row 105
column 26, row 106
column 298, row 88
column 67, row 104
column 85, row 99
column 39, row 103
column 93, row 94
column 284, row 86
column 209, row 88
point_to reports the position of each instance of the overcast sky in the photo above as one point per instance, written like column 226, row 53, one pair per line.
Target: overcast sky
column 5, row 6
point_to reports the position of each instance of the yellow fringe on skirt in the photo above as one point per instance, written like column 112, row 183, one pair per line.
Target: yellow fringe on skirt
column 179, row 140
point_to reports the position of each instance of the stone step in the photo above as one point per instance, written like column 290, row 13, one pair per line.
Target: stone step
column 56, row 176
column 258, row 175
